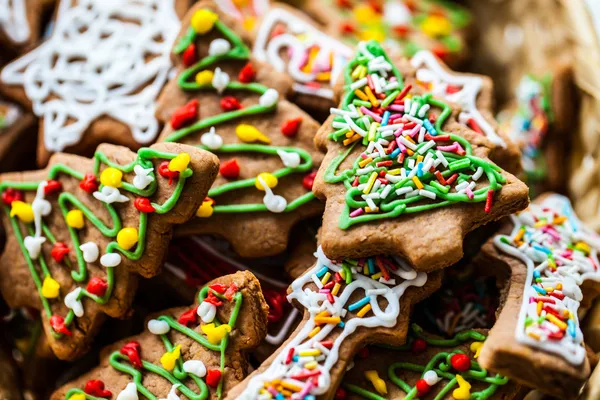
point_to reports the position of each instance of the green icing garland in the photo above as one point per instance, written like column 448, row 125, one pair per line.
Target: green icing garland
column 394, row 206
column 121, row 362
column 238, row 52
column 144, row 159
column 440, row 363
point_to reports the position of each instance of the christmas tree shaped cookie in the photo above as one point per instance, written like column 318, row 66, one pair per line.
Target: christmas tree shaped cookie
column 225, row 102
column 552, row 261
column 404, row 26
column 291, row 43
column 426, row 367
column 78, row 230
column 97, row 82
column 402, row 175
column 347, row 304
column 196, row 352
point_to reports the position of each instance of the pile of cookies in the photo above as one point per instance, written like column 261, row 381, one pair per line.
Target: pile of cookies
column 340, row 199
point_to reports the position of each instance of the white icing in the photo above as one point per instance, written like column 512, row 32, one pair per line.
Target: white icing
column 315, row 303
column 289, row 159
column 72, row 301
column 207, row 312
column 13, row 20
column 41, row 208
column 572, row 273
column 430, row 71
column 110, row 260
column 298, row 42
column 129, row 393
column 273, row 202
column 173, row 393
column 34, row 246
column 431, row 377
column 105, row 58
column 90, row 251
column 212, row 139
column 220, row 80
column 142, row 177
column 277, row 340
column 109, row 195
column 219, row 47
column 195, row 367
column 397, row 14
column 158, row 327
column 269, row 98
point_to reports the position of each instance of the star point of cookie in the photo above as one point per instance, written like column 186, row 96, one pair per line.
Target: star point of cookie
column 79, row 230
column 107, row 92
column 232, row 105
column 401, row 172
column 20, row 23
column 198, row 352
column 347, row 304
column 551, row 258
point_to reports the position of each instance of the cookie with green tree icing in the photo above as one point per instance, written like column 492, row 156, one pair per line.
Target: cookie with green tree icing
column 402, row 175
column 79, row 231
column 224, row 101
column 426, row 367
column 198, row 352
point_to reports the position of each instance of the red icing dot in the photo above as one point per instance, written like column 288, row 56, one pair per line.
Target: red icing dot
column 230, row 103
column 460, row 362
column 188, row 317
column 58, row 324
column 52, row 186
column 10, row 195
column 290, row 127
column 89, row 183
column 247, row 73
column 309, row 180
column 132, row 351
column 418, row 346
column 143, row 205
column 95, row 388
column 230, row 169
column 189, row 55
column 97, row 286
column 59, row 251
column 185, row 115
column 422, row 387
column 213, row 376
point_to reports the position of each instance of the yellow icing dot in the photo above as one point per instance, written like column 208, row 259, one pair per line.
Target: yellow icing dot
column 372, row 34
column 205, row 210
column 22, row 210
column 77, row 396
column 179, row 163
column 203, row 21
column 75, row 219
column 583, row 247
column 249, row 23
column 127, row 238
column 476, row 348
column 248, row 133
column 111, row 177
column 215, row 334
column 365, row 14
column 463, row 392
column 169, row 359
column 50, row 288
column 204, row 77
column 436, row 26
column 269, row 179
column 378, row 383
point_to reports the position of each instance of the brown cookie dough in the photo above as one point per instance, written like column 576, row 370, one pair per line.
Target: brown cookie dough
column 192, row 360
column 91, row 240
column 409, row 363
column 428, row 239
column 112, row 99
column 339, row 335
column 251, row 123
column 558, row 366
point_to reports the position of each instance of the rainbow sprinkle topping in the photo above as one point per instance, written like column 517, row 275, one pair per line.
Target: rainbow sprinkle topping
column 302, row 369
column 560, row 254
column 409, row 164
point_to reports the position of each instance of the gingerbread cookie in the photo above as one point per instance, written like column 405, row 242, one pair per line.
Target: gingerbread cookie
column 397, row 158
column 551, row 260
column 197, row 352
column 537, row 120
column 405, row 26
column 16, row 136
column 290, row 42
column 427, row 367
column 20, row 23
column 227, row 103
column 108, row 92
column 347, row 305
column 77, row 230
